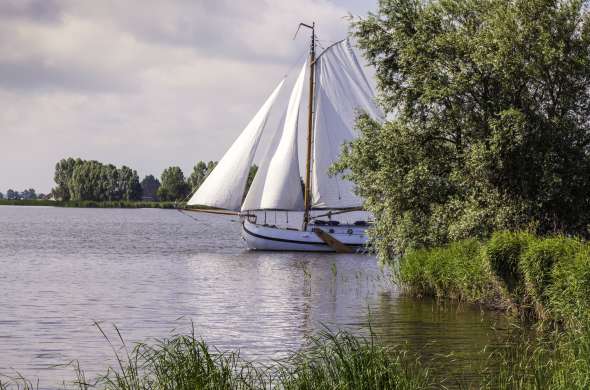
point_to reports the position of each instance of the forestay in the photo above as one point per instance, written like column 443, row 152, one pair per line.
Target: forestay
column 224, row 187
column 342, row 92
column 277, row 185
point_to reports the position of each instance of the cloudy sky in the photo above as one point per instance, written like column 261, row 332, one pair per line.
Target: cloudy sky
column 146, row 83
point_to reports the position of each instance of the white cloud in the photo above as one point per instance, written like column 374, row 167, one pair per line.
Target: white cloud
column 143, row 83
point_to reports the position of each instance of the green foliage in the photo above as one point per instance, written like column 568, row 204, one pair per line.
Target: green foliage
column 12, row 195
column 457, row 271
column 569, row 292
column 200, row 173
column 64, row 170
column 544, row 278
column 341, row 361
column 149, row 187
column 537, row 264
column 557, row 361
column 29, row 194
column 333, row 361
column 174, row 187
column 128, row 184
column 503, row 252
column 488, row 130
column 78, row 179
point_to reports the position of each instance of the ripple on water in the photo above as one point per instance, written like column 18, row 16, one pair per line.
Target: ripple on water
column 153, row 272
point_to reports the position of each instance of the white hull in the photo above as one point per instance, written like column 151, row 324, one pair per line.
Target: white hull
column 272, row 238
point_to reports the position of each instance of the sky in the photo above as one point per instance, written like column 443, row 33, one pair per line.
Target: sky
column 144, row 83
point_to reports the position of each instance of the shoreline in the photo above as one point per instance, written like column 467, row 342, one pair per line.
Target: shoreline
column 91, row 204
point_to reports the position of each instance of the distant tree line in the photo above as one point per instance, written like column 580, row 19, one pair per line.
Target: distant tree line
column 28, row 194
column 91, row 180
column 78, row 179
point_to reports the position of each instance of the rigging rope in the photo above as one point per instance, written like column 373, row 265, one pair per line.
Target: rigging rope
column 186, row 215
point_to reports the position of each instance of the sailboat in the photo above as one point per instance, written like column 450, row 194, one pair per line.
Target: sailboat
column 315, row 211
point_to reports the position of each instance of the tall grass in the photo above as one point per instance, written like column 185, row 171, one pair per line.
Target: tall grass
column 503, row 253
column 342, row 361
column 456, row 271
column 559, row 360
column 332, row 361
column 545, row 278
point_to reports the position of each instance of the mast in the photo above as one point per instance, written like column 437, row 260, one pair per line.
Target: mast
column 308, row 162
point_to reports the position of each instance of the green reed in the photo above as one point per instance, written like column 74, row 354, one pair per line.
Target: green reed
column 554, row 360
column 541, row 278
column 544, row 280
column 332, row 361
column 557, row 360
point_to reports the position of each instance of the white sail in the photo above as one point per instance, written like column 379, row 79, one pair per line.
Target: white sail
column 342, row 91
column 282, row 189
column 254, row 195
column 225, row 185
column 277, row 184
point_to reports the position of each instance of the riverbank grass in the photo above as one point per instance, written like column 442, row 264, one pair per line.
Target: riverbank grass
column 542, row 278
column 545, row 280
column 183, row 362
column 456, row 271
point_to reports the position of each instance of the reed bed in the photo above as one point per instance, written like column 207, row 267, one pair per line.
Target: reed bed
column 332, row 361
column 545, row 279
column 556, row 360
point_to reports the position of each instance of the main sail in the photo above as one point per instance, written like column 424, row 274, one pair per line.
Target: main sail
column 225, row 185
column 342, row 92
column 277, row 185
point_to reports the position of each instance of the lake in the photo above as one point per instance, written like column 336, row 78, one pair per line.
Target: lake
column 153, row 273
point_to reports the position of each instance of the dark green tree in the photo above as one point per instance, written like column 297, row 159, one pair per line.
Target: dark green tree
column 29, row 194
column 149, row 187
column 110, row 183
column 86, row 182
column 12, row 195
column 129, row 184
column 173, row 187
column 488, row 129
column 1, row 196
column 63, row 173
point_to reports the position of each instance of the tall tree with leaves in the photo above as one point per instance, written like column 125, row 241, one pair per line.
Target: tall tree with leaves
column 63, row 173
column 129, row 184
column 29, row 194
column 173, row 187
column 12, row 195
column 490, row 102
column 87, row 181
column 149, row 187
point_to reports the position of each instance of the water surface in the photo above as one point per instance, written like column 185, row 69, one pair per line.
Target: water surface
column 152, row 272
